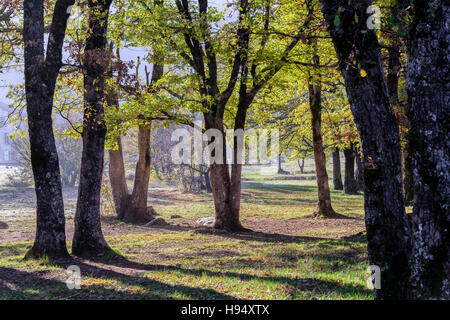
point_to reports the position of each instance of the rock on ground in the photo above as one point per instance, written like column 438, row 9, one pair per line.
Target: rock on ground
column 208, row 222
column 157, row 222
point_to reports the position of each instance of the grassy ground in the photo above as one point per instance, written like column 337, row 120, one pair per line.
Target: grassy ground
column 289, row 255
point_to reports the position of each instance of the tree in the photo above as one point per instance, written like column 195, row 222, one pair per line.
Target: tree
column 359, row 57
column 324, row 207
column 41, row 71
column 286, row 110
column 133, row 207
column 415, row 263
column 88, row 238
column 10, row 32
column 342, row 135
column 359, row 171
column 141, row 179
column 225, row 70
column 280, row 169
column 350, row 186
column 337, row 177
column 69, row 158
column 118, row 180
column 408, row 180
column 428, row 110
column 142, row 104
column 308, row 130
column 162, row 145
column 393, row 36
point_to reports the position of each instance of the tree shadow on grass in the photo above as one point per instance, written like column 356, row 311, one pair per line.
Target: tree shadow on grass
column 22, row 285
column 260, row 236
column 317, row 286
column 33, row 285
column 359, row 237
column 248, row 235
column 17, row 284
column 10, row 250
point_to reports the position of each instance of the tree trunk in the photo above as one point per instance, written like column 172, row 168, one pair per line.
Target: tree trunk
column 280, row 169
column 386, row 221
column 408, row 179
column 50, row 237
column 324, row 208
column 133, row 208
column 226, row 207
column 393, row 69
column 88, row 237
column 392, row 74
column 428, row 91
column 207, row 180
column 137, row 211
column 226, row 190
column 337, row 176
column 301, row 165
column 41, row 73
column 350, row 186
column 118, row 180
column 359, row 171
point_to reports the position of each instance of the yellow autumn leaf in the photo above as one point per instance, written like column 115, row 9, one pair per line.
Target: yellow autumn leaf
column 363, row 73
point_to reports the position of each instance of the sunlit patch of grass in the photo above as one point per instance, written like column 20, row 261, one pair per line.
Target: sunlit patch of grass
column 138, row 240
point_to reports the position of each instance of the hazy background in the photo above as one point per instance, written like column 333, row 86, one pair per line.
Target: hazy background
column 14, row 76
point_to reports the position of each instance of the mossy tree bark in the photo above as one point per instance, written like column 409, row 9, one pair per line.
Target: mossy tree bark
column 428, row 109
column 386, row 221
column 88, row 239
column 394, row 66
column 41, row 71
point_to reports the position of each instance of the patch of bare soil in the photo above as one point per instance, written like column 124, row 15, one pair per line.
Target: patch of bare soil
column 319, row 228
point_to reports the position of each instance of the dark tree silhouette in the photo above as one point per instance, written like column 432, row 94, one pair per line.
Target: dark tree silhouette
column 337, row 176
column 386, row 222
column 41, row 71
column 88, row 237
column 428, row 90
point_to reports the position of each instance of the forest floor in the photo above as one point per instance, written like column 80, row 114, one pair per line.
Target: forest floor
column 288, row 254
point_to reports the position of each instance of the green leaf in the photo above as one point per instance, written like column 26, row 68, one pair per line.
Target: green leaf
column 337, row 21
